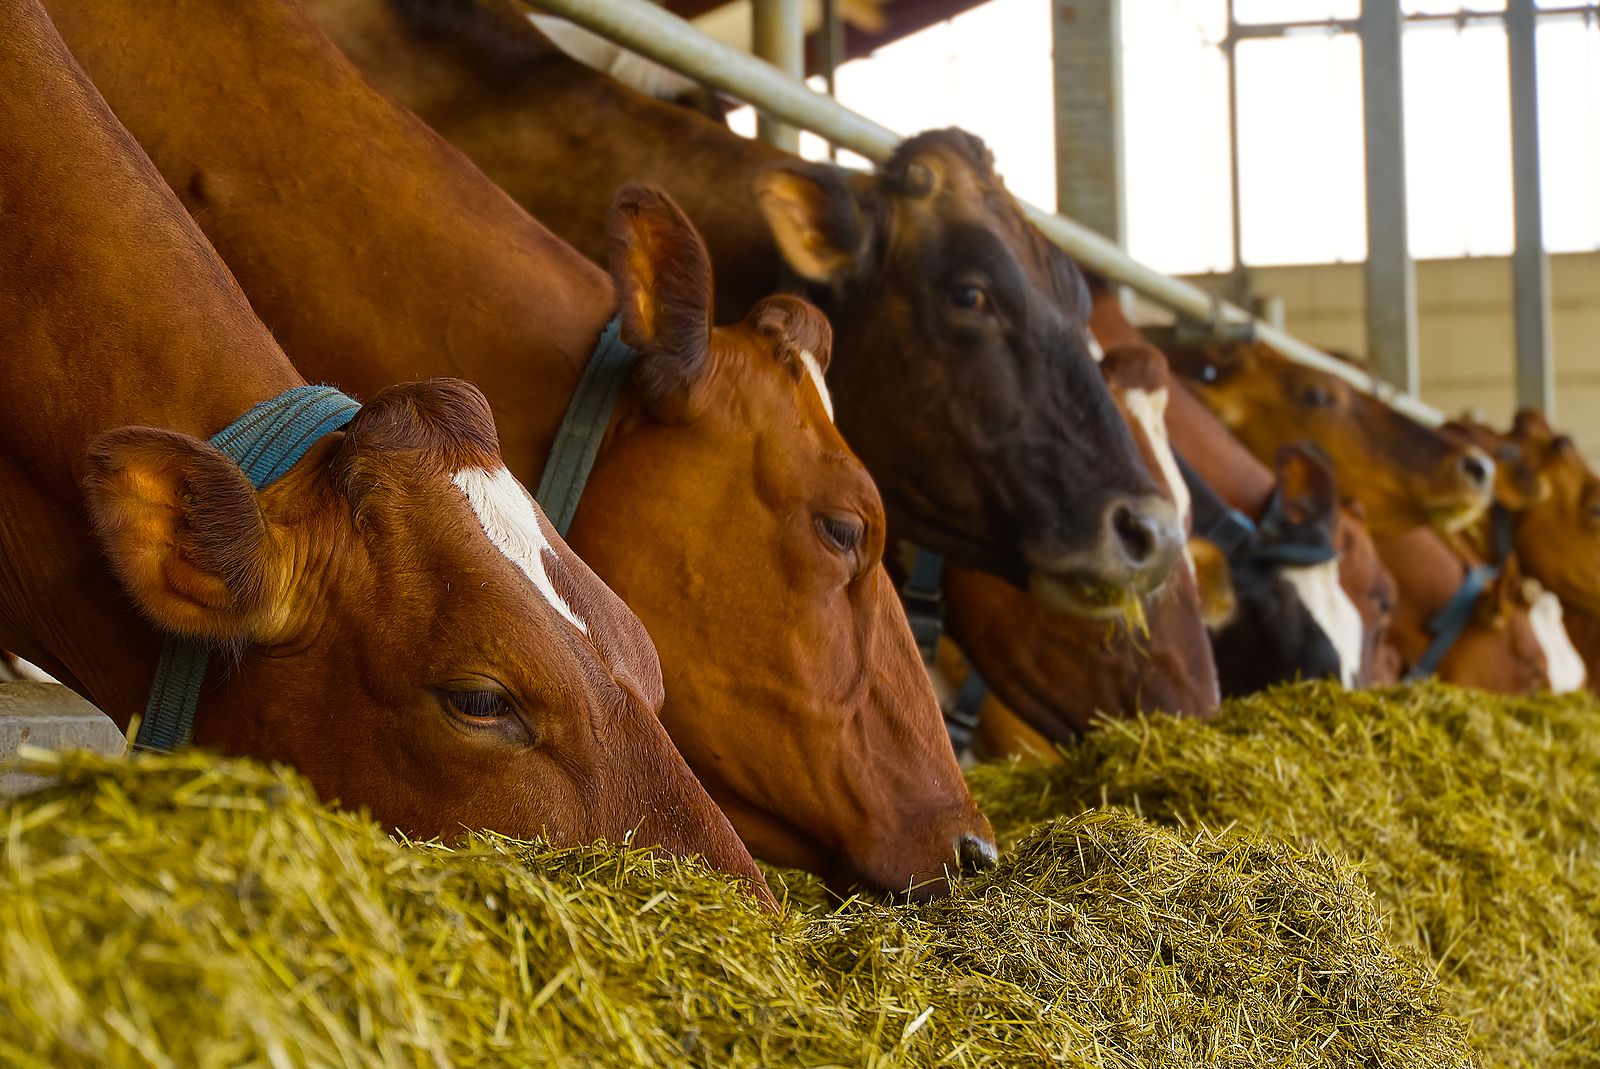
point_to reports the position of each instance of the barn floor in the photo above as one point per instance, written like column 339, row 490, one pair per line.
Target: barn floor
column 1398, row 878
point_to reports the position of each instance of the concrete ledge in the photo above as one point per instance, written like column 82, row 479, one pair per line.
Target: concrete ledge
column 51, row 716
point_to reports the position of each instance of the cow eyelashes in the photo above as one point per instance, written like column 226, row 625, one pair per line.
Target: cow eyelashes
column 478, row 704
column 841, row 533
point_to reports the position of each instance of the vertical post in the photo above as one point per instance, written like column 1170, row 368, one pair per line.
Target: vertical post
column 1086, row 38
column 1530, row 267
column 1391, row 277
column 779, row 37
column 830, row 50
column 1240, row 278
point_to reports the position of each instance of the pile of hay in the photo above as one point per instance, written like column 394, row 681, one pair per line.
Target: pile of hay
column 1475, row 819
column 183, row 911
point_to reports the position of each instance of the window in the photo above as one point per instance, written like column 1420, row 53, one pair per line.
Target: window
column 1301, row 171
column 1458, row 140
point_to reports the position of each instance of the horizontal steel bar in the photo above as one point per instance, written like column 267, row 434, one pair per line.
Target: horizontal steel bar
column 659, row 35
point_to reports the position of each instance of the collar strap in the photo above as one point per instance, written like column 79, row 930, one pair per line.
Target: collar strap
column 583, row 427
column 1449, row 622
column 265, row 442
column 1502, row 532
column 1239, row 539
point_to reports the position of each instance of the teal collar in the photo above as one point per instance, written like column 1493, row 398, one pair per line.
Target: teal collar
column 265, row 442
column 577, row 441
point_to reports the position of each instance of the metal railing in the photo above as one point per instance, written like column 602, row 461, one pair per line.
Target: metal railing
column 670, row 41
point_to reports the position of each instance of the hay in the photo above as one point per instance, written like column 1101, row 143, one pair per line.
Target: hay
column 1476, row 821
column 191, row 912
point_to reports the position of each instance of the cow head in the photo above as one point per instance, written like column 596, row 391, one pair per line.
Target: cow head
column 1406, row 475
column 396, row 618
column 795, row 690
column 964, row 377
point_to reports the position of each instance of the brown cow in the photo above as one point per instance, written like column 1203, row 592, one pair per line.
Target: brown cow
column 1058, row 673
column 961, row 371
column 1498, row 650
column 1404, row 474
column 396, row 618
column 1547, row 511
column 724, row 506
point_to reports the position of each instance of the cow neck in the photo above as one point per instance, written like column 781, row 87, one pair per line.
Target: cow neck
column 1215, row 455
column 118, row 314
column 485, row 59
column 488, row 294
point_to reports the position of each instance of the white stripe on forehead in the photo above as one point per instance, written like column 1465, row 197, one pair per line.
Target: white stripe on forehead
column 814, row 369
column 514, row 525
column 1149, row 409
column 1319, row 590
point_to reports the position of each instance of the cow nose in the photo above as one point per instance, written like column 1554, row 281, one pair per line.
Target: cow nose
column 1142, row 538
column 1478, row 469
column 975, row 854
column 1136, row 535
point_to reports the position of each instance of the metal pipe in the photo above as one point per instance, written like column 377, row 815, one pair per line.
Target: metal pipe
column 1530, row 267
column 778, row 35
column 659, row 35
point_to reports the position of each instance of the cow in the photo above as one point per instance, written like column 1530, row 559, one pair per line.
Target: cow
column 961, row 373
column 1058, row 673
column 723, row 505
column 1404, row 474
column 392, row 615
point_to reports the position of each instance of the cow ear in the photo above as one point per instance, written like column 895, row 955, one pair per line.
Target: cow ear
column 183, row 530
column 813, row 215
column 1531, row 424
column 1305, row 486
column 1213, row 577
column 662, row 273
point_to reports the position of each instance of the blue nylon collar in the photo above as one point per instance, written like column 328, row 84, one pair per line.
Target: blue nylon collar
column 583, row 427
column 265, row 442
column 1448, row 623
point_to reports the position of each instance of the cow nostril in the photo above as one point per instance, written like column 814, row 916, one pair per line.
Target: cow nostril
column 975, row 854
column 1476, row 469
column 1135, row 534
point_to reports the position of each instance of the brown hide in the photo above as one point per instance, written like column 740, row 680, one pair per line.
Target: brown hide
column 374, row 250
column 1372, row 587
column 1497, row 651
column 1059, row 673
column 961, row 374
column 366, row 629
column 1404, row 474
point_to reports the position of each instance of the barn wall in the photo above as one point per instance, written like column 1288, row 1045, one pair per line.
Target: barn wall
column 1464, row 328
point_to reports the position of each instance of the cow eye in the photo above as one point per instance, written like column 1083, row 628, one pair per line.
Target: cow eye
column 478, row 704
column 842, row 533
column 1316, row 397
column 969, row 297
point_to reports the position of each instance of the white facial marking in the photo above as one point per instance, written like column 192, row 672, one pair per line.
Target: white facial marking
column 1563, row 664
column 814, row 369
column 1096, row 350
column 1149, row 410
column 1319, row 591
column 629, row 68
column 516, row 527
